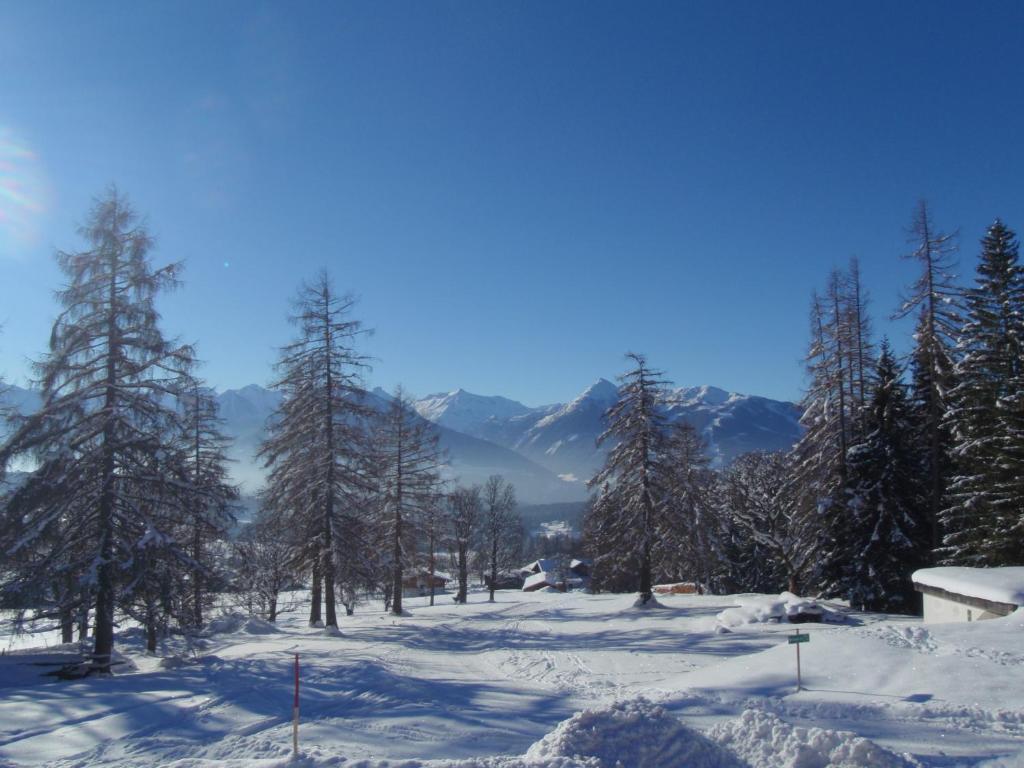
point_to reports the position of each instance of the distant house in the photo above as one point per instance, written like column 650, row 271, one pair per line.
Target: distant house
column 547, row 572
column 418, row 584
column 969, row 594
column 543, row 579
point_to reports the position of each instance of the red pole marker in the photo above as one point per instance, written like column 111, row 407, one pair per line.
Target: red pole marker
column 295, row 711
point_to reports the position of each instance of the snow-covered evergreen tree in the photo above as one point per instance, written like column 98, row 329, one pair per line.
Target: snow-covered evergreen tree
column 408, row 461
column 316, row 448
column 691, row 534
column 887, row 535
column 626, row 516
column 982, row 521
column 778, row 542
column 102, row 491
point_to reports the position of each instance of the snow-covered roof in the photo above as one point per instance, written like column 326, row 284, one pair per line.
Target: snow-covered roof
column 576, row 563
column 539, row 578
column 539, row 566
column 1000, row 585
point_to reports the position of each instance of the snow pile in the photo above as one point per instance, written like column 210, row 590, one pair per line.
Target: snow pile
column 234, row 623
column 765, row 741
column 634, row 733
column 1000, row 585
column 761, row 609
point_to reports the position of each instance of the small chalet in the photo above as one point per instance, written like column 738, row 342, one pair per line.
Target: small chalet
column 418, row 584
column 543, row 579
column 969, row 594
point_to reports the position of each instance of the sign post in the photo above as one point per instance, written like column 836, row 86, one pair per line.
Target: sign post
column 295, row 711
column 795, row 639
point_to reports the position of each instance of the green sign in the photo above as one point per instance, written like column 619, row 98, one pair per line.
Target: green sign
column 794, row 639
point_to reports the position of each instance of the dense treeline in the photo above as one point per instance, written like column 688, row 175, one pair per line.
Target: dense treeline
column 902, row 464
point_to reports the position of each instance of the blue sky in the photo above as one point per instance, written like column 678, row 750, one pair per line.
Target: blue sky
column 517, row 193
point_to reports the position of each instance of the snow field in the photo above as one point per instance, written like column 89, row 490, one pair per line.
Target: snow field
column 545, row 680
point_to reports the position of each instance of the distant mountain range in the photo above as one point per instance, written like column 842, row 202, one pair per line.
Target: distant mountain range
column 548, row 452
column 562, row 438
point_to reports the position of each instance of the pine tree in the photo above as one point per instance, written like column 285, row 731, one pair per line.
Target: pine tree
column 408, row 468
column 316, row 446
column 982, row 517
column 887, row 537
column 501, row 528
column 625, row 517
column 100, row 439
column 934, row 296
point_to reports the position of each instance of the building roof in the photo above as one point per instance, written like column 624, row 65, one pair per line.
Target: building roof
column 539, row 566
column 999, row 585
column 539, row 579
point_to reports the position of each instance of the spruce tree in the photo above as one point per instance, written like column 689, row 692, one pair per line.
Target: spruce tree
column 626, row 516
column 982, row 517
column 101, row 437
column 887, row 534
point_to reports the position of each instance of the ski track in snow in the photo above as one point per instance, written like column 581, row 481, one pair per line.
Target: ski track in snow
column 450, row 682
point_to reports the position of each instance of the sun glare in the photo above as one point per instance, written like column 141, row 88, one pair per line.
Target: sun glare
column 22, row 194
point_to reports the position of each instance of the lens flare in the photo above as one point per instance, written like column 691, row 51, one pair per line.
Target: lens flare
column 22, row 194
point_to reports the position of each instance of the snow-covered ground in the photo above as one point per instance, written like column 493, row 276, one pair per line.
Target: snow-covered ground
column 498, row 685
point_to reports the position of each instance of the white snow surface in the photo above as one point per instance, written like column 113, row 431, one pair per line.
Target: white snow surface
column 1000, row 585
column 537, row 680
column 759, row 609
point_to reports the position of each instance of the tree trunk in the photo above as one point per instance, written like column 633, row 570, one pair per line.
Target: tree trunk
column 67, row 625
column 462, row 596
column 494, row 567
column 396, row 569
column 328, row 567
column 314, row 609
column 83, row 619
column 151, row 633
column 273, row 610
column 104, row 632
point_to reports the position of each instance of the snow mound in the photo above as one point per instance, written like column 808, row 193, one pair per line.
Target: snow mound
column 762, row 609
column 235, row 623
column 765, row 741
column 634, row 733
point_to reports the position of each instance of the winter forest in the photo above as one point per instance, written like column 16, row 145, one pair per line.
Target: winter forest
column 116, row 501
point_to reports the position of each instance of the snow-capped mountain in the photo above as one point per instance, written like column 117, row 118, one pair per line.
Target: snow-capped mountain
column 563, row 438
column 548, row 452
column 466, row 412
column 471, row 460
